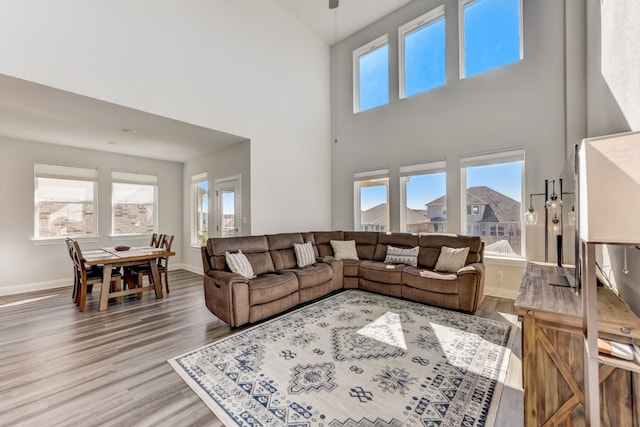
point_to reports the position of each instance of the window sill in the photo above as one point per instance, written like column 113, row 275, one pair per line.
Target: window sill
column 60, row 240
column 506, row 261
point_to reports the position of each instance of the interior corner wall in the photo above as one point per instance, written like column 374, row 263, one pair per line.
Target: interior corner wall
column 231, row 161
column 518, row 105
column 244, row 67
column 613, row 76
column 27, row 265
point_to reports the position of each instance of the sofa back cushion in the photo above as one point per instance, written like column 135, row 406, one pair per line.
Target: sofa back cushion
column 281, row 249
column 322, row 239
column 398, row 240
column 365, row 243
column 431, row 243
column 255, row 249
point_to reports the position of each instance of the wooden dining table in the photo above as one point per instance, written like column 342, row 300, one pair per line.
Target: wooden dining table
column 110, row 258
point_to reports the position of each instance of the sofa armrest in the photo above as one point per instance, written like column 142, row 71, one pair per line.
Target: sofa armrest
column 327, row 259
column 226, row 295
column 221, row 277
column 473, row 268
column 471, row 286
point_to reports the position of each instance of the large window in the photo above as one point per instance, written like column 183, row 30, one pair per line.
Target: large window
column 371, row 75
column 491, row 34
column 423, row 192
column 200, row 209
column 134, row 203
column 371, row 195
column 422, row 53
column 65, row 201
column 492, row 201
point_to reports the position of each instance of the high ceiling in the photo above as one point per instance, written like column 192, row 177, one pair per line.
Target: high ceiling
column 35, row 112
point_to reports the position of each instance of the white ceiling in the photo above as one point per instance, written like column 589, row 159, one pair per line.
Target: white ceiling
column 35, row 112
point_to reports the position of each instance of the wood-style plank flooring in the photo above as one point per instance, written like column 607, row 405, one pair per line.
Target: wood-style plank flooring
column 60, row 367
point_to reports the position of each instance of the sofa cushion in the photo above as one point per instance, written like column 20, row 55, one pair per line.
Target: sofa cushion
column 313, row 275
column 451, row 259
column 217, row 246
column 261, row 262
column 239, row 264
column 366, row 242
column 432, row 281
column 408, row 256
column 271, row 287
column 281, row 249
column 322, row 239
column 351, row 268
column 344, row 249
column 375, row 271
column 398, row 240
column 304, row 254
column 430, row 244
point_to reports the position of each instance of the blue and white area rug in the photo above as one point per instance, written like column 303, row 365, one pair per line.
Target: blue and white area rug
column 355, row 359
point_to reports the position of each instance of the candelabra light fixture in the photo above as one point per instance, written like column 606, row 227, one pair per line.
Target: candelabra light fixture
column 552, row 216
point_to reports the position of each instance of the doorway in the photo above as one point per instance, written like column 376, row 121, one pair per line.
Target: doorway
column 228, row 206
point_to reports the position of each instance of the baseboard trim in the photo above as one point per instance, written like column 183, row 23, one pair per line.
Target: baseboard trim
column 500, row 292
column 38, row 286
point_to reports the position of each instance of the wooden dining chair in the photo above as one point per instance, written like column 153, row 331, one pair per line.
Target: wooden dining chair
column 85, row 278
column 142, row 271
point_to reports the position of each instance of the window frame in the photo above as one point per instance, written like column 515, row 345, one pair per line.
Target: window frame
column 461, row 33
column 196, row 179
column 403, row 31
column 135, row 178
column 70, row 173
column 432, row 167
column 361, row 51
column 491, row 158
column 369, row 179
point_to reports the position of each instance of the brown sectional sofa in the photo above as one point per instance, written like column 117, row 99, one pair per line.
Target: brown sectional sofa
column 280, row 285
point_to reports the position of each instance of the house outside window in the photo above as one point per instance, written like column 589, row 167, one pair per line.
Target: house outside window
column 371, row 75
column 423, row 190
column 371, row 200
column 200, row 209
column 493, row 183
column 491, row 35
column 65, row 201
column 134, row 203
column 421, row 47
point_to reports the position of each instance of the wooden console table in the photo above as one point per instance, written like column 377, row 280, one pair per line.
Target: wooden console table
column 553, row 353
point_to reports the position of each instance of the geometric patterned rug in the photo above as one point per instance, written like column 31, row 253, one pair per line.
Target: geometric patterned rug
column 355, row 359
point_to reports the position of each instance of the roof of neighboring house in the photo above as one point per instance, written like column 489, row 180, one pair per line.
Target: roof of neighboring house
column 500, row 208
column 376, row 215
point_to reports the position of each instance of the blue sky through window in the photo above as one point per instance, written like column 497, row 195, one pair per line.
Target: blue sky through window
column 505, row 178
column 424, row 58
column 491, row 34
column 422, row 189
column 373, row 77
column 372, row 196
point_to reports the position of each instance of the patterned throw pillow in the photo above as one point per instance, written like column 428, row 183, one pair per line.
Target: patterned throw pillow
column 451, row 260
column 344, row 249
column 239, row 264
column 304, row 254
column 402, row 256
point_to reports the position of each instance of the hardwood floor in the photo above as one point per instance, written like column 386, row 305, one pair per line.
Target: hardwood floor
column 60, row 367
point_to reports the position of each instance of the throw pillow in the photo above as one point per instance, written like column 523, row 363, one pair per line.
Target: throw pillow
column 451, row 260
column 239, row 264
column 344, row 249
column 407, row 256
column 304, row 254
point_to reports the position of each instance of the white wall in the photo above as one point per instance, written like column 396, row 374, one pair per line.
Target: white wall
column 246, row 67
column 29, row 265
column 519, row 105
column 232, row 161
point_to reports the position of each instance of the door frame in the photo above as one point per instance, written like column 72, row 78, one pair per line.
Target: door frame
column 218, row 185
